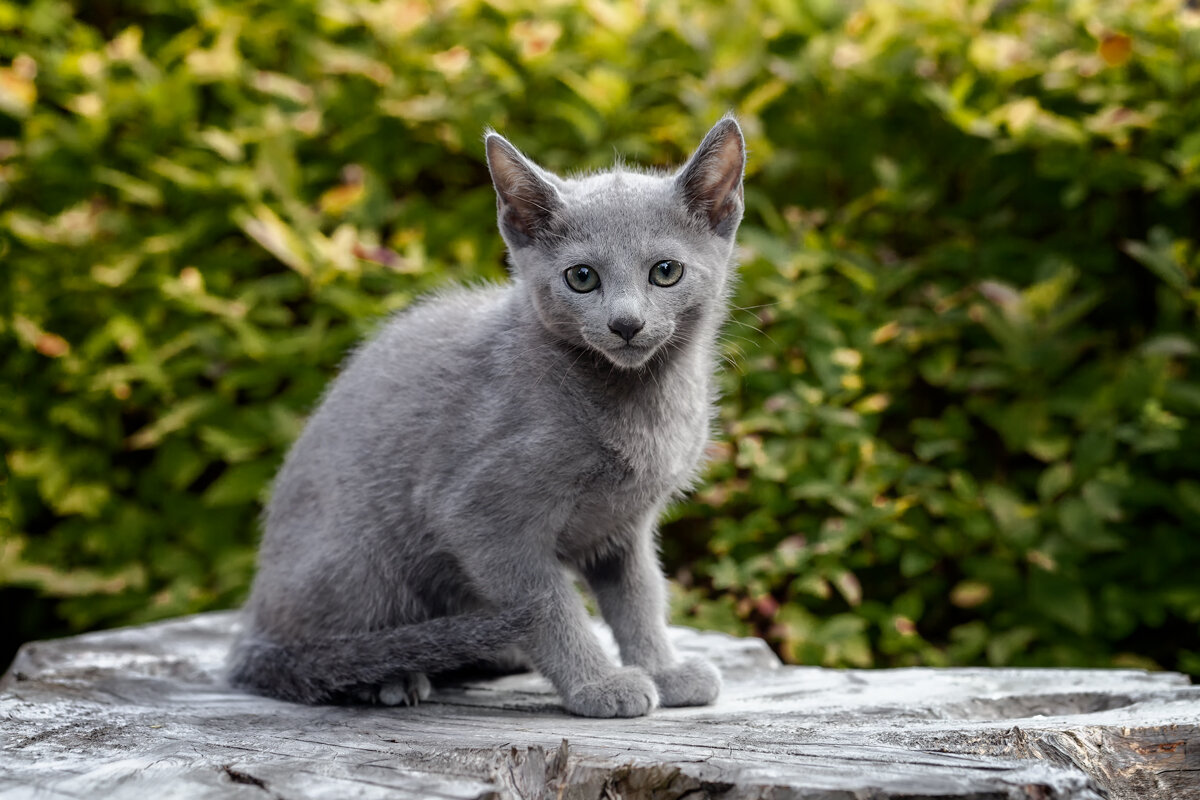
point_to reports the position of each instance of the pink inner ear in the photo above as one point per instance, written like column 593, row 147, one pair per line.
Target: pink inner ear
column 725, row 180
column 715, row 188
column 526, row 200
column 508, row 173
column 727, row 164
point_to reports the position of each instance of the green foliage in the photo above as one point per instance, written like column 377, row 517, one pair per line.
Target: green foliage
column 959, row 423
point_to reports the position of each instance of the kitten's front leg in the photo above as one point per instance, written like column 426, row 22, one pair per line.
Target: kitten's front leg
column 631, row 591
column 560, row 640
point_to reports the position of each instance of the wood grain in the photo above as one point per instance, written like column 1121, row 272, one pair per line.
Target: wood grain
column 142, row 713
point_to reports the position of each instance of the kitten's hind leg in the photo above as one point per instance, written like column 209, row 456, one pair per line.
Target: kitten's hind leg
column 510, row 660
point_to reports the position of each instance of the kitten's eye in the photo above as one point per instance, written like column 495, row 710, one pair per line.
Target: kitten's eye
column 582, row 278
column 666, row 273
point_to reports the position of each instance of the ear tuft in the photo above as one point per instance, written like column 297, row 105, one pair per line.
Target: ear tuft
column 525, row 200
column 710, row 183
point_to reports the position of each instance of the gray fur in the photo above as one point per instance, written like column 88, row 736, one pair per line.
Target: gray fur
column 489, row 443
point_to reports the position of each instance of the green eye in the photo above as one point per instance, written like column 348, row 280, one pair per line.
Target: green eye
column 582, row 278
column 666, row 273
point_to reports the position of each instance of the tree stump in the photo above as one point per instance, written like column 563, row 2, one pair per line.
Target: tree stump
column 143, row 713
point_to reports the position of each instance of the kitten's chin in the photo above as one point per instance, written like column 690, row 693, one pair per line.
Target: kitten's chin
column 629, row 356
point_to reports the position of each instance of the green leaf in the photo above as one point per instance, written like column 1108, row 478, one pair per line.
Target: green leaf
column 1103, row 499
column 240, row 484
column 1055, row 480
column 178, row 418
column 1159, row 261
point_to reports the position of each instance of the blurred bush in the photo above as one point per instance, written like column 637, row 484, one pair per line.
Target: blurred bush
column 960, row 409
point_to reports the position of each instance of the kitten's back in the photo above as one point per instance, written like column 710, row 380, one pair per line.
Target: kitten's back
column 328, row 524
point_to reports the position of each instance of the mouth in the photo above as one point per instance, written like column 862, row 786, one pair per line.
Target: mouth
column 628, row 356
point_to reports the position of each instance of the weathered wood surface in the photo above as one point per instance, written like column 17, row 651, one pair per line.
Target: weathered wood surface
column 141, row 713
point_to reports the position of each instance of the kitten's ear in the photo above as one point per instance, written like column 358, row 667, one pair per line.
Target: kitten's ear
column 710, row 183
column 525, row 198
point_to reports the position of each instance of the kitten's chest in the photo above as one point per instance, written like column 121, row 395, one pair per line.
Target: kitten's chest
column 653, row 442
column 643, row 459
column 644, row 447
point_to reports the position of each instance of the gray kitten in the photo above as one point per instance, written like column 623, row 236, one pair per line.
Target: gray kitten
column 488, row 443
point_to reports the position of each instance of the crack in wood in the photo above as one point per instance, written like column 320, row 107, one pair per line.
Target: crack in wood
column 237, row 776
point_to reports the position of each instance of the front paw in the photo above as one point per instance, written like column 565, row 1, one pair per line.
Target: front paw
column 627, row 692
column 694, row 682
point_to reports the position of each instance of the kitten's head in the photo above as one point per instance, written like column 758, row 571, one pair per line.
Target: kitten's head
column 623, row 262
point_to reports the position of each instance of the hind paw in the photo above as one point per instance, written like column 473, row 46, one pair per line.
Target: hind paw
column 408, row 690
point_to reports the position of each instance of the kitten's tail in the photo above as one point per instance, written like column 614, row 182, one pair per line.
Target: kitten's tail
column 323, row 670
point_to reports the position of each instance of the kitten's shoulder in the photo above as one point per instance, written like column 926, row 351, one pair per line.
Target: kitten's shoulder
column 442, row 324
column 451, row 314
column 453, row 305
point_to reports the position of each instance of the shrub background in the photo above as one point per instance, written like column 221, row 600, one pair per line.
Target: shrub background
column 960, row 406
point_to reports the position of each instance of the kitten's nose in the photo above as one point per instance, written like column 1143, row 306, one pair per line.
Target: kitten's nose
column 626, row 327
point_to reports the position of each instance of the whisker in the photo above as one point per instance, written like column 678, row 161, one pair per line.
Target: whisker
column 751, row 308
column 570, row 367
column 745, row 339
column 525, row 352
column 755, row 328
